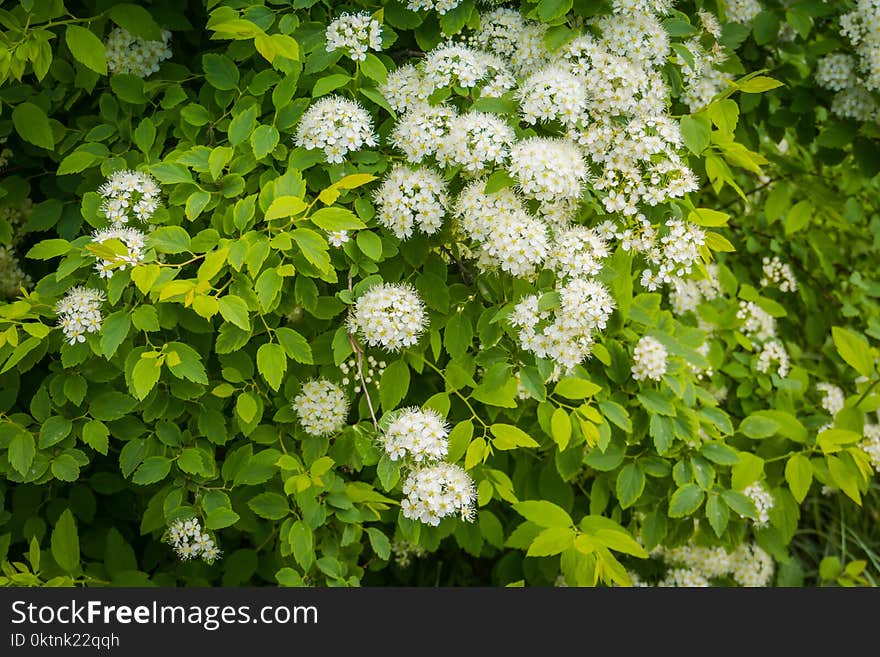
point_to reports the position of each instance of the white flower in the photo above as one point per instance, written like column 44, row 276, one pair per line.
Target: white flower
column 757, row 322
column 438, row 491
column 742, row 11
column 440, row 6
column 190, row 542
column 836, row 71
column 833, row 399
column 773, row 352
column 417, row 434
column 683, row 578
column 762, row 500
column 452, row 64
column 752, row 566
column 649, row 359
column 775, row 272
column 337, row 125
column 420, row 131
column 475, row 140
column 338, row 237
column 871, row 444
column 412, row 197
column 389, row 314
column 79, row 312
column 12, row 278
column 548, row 169
column 577, row 252
column 133, row 243
column 322, row 407
column 128, row 54
column 855, row 103
column 405, row 88
column 129, row 195
column 354, row 33
column 552, row 94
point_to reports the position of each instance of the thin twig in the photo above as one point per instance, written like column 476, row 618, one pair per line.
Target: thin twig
column 359, row 355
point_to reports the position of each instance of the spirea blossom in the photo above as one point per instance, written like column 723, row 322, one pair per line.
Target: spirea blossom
column 742, row 11
column 688, row 293
column 190, row 542
column 129, row 254
column 683, row 578
column 649, row 359
column 421, row 130
column 417, row 434
column 337, row 125
column 836, row 71
column 79, row 312
column 833, row 399
column 695, row 565
column 547, row 169
column 338, row 237
column 871, row 444
column 129, row 195
column 778, row 273
column 440, row 6
column 438, row 491
column 321, row 406
column 757, row 322
column 412, row 197
column 474, row 141
column 355, row 34
column 773, row 352
column 389, row 314
column 552, row 94
column 12, row 278
column 405, row 87
column 752, row 566
column 855, row 103
column 452, row 64
column 577, row 252
column 762, row 500
column 132, row 55
column 673, row 255
column 637, row 36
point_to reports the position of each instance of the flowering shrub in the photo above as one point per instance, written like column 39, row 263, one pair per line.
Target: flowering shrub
column 314, row 293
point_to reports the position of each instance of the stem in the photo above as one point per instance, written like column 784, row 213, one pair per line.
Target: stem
column 360, row 367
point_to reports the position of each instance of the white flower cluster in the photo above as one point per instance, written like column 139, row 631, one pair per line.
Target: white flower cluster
column 389, row 314
column 548, row 169
column 649, row 359
column 688, row 293
column 79, row 312
column 405, row 88
column 702, row 78
column 127, row 253
column 584, row 307
column 452, row 64
column 373, row 372
column 190, row 542
column 833, row 399
column 128, row 54
column 404, row 552
column 417, row 434
column 410, row 197
column 757, row 322
column 773, row 352
column 421, row 130
column 638, row 36
column 695, row 565
column 355, row 34
column 855, row 76
column 129, row 195
column 12, row 278
column 871, row 444
column 777, row 273
column 742, row 11
column 508, row 236
column 762, row 500
column 440, row 6
column 438, row 491
column 475, row 140
column 504, row 32
column 552, row 94
column 577, row 252
column 337, row 125
column 673, row 254
column 322, row 407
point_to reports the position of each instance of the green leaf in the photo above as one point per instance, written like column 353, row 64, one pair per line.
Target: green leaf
column 96, row 435
column 550, row 10
column 86, row 48
column 739, row 503
column 145, row 375
column 560, row 428
column 114, row 330
column 221, row 518
column 543, row 513
column 296, row 346
column 54, row 430
column 220, row 71
column 655, row 401
column 313, row 247
column 380, row 543
column 616, row 414
column 22, row 449
column 285, row 206
column 630, row 485
column 190, row 365
column 854, row 349
column 759, row 84
column 498, row 181
column 718, row 514
column 111, row 406
column 370, row 245
column 136, row 20
column 508, row 436
column 242, row 125
column 65, row 468
column 458, row 335
column 264, row 140
column 798, row 217
column 695, row 132
column 685, row 501
column 394, row 384
column 551, row 541
column 271, row 506
column 799, row 475
column 65, row 543
column 272, row 364
column 170, row 239
column 720, row 454
column 32, row 125
column 459, row 440
column 235, row 310
column 334, row 219
column 153, row 469
column 572, row 388
column 329, row 83
column 757, row 427
column 196, row 203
